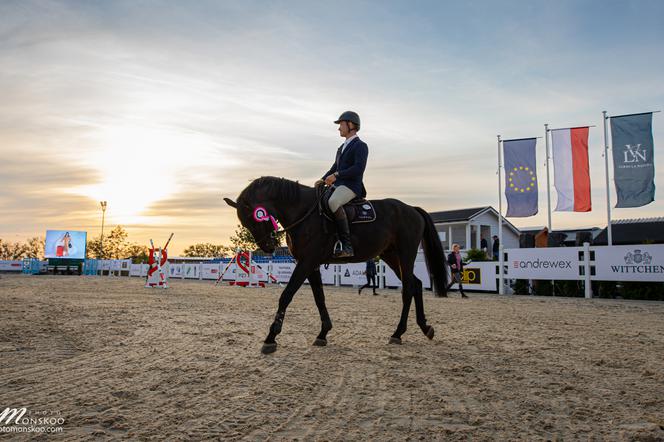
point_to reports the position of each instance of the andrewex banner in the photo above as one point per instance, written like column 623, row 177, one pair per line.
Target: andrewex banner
column 552, row 263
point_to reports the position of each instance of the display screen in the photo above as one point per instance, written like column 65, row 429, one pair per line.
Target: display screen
column 65, row 244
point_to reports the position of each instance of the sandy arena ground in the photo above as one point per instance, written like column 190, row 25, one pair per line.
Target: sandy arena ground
column 118, row 361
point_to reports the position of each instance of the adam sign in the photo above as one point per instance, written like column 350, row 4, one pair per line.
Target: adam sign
column 558, row 263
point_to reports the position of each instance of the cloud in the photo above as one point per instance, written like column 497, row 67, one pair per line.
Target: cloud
column 173, row 105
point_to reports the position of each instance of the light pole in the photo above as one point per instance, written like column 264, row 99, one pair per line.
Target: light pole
column 103, row 213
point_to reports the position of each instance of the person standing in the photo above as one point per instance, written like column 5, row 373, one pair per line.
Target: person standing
column 346, row 175
column 496, row 247
column 456, row 264
column 371, row 277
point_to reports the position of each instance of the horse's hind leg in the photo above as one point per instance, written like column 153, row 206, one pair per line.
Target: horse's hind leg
column 316, row 283
column 419, row 309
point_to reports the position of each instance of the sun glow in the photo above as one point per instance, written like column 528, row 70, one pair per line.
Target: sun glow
column 140, row 166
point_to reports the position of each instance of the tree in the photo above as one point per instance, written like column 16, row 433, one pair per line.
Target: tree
column 243, row 239
column 115, row 245
column 35, row 247
column 207, row 250
column 11, row 250
column 137, row 253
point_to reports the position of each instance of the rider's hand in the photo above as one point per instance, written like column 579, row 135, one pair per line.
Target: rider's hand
column 330, row 179
column 319, row 183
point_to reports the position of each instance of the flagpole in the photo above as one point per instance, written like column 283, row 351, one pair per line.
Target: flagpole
column 501, row 290
column 606, row 172
column 548, row 184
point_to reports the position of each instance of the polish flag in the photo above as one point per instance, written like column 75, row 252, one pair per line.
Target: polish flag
column 571, row 170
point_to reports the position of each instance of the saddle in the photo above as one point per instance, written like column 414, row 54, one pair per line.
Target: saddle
column 358, row 210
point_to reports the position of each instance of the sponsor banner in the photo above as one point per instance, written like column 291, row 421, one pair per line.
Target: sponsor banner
column 479, row 275
column 116, row 265
column 135, row 269
column 230, row 272
column 282, row 271
column 11, row 266
column 191, row 271
column 210, row 271
column 353, row 274
column 175, row 270
column 391, row 279
column 629, row 263
column 327, row 272
column 422, row 274
column 543, row 263
column 144, row 270
column 260, row 272
column 105, row 264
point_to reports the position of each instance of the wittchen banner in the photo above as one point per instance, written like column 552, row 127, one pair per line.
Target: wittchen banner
column 633, row 165
column 629, row 263
column 520, row 177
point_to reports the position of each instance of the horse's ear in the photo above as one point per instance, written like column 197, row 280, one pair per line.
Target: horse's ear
column 230, row 202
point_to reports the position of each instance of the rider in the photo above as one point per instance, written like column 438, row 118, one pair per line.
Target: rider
column 346, row 175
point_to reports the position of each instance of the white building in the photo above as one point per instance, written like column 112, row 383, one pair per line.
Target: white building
column 467, row 227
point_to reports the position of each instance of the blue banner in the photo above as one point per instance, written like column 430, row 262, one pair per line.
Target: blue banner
column 520, row 177
column 633, row 164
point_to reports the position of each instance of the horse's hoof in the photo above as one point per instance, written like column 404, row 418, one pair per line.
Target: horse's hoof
column 269, row 348
column 430, row 332
column 320, row 342
column 394, row 340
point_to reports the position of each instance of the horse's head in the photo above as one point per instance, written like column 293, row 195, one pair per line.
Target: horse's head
column 260, row 203
column 255, row 217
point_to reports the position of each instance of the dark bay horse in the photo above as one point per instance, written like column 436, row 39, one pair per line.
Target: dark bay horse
column 395, row 236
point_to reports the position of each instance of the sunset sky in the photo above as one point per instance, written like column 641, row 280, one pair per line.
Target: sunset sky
column 164, row 107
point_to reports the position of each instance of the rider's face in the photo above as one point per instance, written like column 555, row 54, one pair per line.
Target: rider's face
column 344, row 130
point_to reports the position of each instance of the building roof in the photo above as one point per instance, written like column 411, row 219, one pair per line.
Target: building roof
column 465, row 215
column 448, row 216
column 634, row 231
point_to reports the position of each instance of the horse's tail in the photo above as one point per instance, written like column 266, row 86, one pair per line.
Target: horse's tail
column 434, row 254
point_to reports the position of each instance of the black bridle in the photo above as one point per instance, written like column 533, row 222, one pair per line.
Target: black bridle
column 274, row 233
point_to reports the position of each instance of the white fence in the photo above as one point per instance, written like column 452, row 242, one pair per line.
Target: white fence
column 597, row 263
column 480, row 276
column 588, row 263
column 11, row 266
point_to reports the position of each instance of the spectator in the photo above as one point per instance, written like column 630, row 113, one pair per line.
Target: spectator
column 371, row 277
column 456, row 264
column 496, row 247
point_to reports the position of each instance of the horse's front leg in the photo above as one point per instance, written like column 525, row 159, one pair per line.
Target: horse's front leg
column 297, row 279
column 316, row 283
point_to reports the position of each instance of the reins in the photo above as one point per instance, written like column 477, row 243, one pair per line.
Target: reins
column 274, row 233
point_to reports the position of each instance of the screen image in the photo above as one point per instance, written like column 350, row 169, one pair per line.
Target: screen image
column 65, row 244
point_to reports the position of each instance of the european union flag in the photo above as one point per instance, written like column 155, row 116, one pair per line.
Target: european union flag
column 520, row 177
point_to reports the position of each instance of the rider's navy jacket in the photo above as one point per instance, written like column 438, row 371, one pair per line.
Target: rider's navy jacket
column 351, row 164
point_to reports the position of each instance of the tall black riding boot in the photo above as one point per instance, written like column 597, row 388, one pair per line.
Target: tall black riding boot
column 346, row 248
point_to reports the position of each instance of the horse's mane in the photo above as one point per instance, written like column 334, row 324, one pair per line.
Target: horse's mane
column 272, row 188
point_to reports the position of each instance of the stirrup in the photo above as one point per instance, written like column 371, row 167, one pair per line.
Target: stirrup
column 339, row 251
